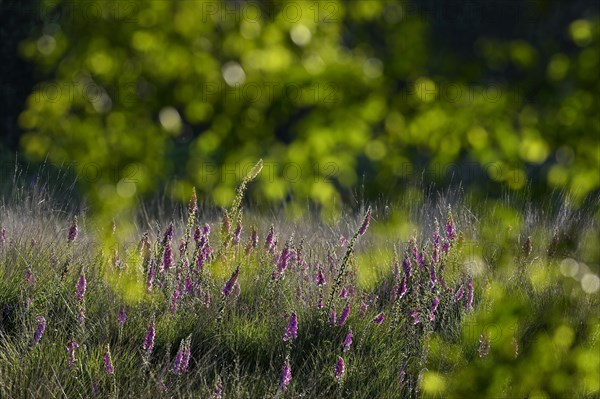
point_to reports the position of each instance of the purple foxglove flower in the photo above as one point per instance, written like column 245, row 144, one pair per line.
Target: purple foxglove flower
column 333, row 317
column 108, row 365
column 291, row 331
column 182, row 247
column 421, row 260
column 365, row 223
column 270, row 240
column 344, row 293
column 459, row 294
column 347, row 341
column 148, row 344
column 320, row 303
column 344, row 315
column 150, row 280
column 197, row 235
column 402, row 288
column 168, row 256
column 71, row 346
column 231, row 283
column 72, row 232
column 189, row 285
column 179, row 358
column 321, row 278
column 193, row 204
column 122, row 317
column 407, row 266
column 379, row 319
column 168, row 234
column 415, row 316
column 432, row 278
column 237, row 233
column 39, row 331
column 343, row 240
column 445, row 247
column 286, row 376
column 282, row 261
column 176, row 295
column 81, row 287
column 434, row 307
column 206, row 229
column 469, row 304
column 339, row 368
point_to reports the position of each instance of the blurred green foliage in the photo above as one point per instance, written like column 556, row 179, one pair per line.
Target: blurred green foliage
column 197, row 91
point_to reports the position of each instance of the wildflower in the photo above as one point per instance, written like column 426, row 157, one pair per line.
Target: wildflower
column 339, row 368
column 71, row 346
column 406, row 266
column 347, row 341
column 81, row 287
column 182, row 246
column 270, row 240
column 237, row 233
column 197, row 235
column 344, row 315
column 286, row 375
column 150, row 280
column 176, row 295
column 402, row 288
column 321, row 281
column 189, row 285
column 206, row 229
column 343, row 240
column 231, row 283
column 193, row 204
column 459, row 294
column 434, row 307
column 344, row 293
column 291, row 331
column 432, row 278
column 39, row 331
column 148, row 344
column 122, row 316
column 320, row 303
column 168, row 234
column 365, row 224
column 379, row 319
column 108, row 365
column 332, row 316
column 282, row 261
column 450, row 228
column 469, row 304
column 72, row 232
column 180, row 365
column 168, row 256
column 415, row 315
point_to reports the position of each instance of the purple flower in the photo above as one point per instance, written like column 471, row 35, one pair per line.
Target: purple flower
column 270, row 241
column 81, row 287
column 122, row 317
column 402, row 288
column 379, row 319
column 237, row 233
column 282, row 261
column 459, row 294
column 406, row 266
column 291, row 331
column 182, row 246
column 218, row 391
column 168, row 256
column 231, row 283
column 347, row 341
column 71, row 346
column 197, row 235
column 39, row 331
column 286, row 376
column 343, row 240
column 339, row 368
column 108, row 365
column 148, row 344
column 469, row 304
column 415, row 316
column 450, row 228
column 168, row 234
column 344, row 293
column 321, row 281
column 180, row 365
column 320, row 303
column 72, row 232
column 151, row 273
column 365, row 223
column 176, row 295
column 434, row 307
column 344, row 315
